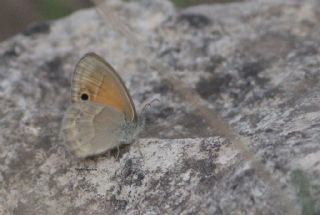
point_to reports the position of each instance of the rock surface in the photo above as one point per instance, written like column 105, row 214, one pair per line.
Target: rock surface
column 256, row 63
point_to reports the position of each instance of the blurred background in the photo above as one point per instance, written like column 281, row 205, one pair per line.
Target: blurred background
column 16, row 15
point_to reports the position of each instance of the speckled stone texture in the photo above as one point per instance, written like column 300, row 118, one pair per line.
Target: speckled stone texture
column 255, row 63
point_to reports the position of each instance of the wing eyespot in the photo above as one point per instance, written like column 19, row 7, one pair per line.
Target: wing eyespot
column 84, row 97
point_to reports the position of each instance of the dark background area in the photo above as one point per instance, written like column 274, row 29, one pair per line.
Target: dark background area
column 16, row 15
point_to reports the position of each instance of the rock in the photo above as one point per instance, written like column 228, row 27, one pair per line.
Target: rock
column 256, row 64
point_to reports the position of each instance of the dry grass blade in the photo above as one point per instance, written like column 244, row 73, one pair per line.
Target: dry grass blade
column 219, row 126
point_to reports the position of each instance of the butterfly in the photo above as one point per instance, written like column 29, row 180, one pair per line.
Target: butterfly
column 102, row 114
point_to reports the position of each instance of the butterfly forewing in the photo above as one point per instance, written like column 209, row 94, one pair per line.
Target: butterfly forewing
column 95, row 80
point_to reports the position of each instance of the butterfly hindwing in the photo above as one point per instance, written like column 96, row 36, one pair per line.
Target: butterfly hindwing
column 91, row 128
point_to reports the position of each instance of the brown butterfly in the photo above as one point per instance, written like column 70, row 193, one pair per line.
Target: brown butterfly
column 102, row 114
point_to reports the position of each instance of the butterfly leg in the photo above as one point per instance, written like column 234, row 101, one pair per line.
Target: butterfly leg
column 140, row 152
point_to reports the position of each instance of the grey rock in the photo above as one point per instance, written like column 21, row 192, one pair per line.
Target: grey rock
column 255, row 63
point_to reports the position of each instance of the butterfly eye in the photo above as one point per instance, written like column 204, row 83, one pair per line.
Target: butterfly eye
column 84, row 97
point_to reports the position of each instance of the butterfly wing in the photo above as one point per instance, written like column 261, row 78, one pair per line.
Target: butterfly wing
column 91, row 128
column 102, row 113
column 96, row 81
